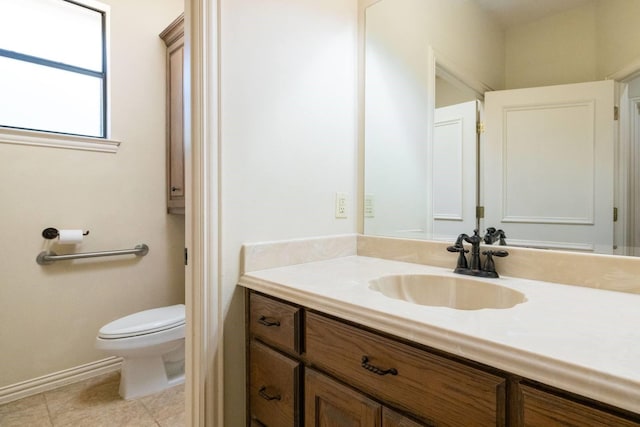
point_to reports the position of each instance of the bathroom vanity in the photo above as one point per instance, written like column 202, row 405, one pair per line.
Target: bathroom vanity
column 324, row 348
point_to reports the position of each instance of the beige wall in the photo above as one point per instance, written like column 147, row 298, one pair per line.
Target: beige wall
column 583, row 44
column 618, row 35
column 288, row 129
column 49, row 315
column 460, row 31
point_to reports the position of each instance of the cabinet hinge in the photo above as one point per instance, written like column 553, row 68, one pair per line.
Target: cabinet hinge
column 479, row 212
column 615, row 214
column 479, row 127
column 616, row 112
column 186, row 256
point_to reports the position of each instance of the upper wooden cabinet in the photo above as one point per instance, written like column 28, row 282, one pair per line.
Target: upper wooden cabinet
column 173, row 37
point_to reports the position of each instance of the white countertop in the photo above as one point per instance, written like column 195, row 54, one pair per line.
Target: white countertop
column 586, row 341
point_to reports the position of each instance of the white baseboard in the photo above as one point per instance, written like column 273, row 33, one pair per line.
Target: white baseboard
column 58, row 379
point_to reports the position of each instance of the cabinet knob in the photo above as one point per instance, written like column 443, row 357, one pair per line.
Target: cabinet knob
column 176, row 188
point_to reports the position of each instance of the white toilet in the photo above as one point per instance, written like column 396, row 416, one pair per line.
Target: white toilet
column 151, row 343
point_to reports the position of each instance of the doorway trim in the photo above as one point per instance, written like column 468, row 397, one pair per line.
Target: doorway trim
column 204, row 368
column 625, row 194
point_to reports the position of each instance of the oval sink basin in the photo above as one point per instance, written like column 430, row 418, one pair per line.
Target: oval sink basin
column 445, row 291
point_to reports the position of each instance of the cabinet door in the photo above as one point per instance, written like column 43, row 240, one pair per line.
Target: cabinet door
column 273, row 387
column 175, row 126
column 330, row 404
column 173, row 37
column 545, row 409
column 393, row 419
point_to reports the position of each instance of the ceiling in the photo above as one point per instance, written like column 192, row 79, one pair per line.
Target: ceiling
column 516, row 12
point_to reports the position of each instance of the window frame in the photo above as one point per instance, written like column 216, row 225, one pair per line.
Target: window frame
column 35, row 137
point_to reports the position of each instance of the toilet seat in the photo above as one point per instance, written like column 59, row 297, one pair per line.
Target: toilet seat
column 144, row 322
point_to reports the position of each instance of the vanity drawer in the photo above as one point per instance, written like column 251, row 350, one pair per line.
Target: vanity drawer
column 275, row 322
column 546, row 409
column 274, row 387
column 438, row 390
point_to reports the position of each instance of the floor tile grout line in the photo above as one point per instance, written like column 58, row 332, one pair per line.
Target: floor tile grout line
column 141, row 401
column 46, row 403
column 50, row 401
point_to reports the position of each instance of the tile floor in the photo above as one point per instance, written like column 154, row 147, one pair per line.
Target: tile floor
column 95, row 403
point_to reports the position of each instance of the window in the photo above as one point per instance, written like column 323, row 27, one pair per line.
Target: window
column 53, row 66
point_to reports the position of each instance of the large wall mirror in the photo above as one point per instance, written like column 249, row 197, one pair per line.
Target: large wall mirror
column 528, row 110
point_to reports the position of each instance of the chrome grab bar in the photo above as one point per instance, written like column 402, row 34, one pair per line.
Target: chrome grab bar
column 49, row 257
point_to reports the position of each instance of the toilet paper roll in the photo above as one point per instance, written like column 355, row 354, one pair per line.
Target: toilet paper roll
column 69, row 237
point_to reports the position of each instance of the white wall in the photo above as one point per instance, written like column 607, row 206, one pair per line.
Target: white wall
column 49, row 315
column 399, row 99
column 288, row 139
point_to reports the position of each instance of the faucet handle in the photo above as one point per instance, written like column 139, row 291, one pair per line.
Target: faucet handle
column 462, row 260
column 500, row 254
column 489, row 266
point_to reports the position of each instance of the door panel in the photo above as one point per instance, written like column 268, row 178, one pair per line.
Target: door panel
column 330, row 404
column 454, row 170
column 548, row 171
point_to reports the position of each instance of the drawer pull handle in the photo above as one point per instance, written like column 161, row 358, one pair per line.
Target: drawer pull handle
column 263, row 320
column 365, row 364
column 263, row 394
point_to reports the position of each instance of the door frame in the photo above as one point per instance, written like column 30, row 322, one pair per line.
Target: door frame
column 634, row 141
column 204, row 363
column 441, row 66
column 626, row 201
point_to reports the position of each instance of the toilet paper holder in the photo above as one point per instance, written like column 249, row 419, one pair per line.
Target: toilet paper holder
column 53, row 233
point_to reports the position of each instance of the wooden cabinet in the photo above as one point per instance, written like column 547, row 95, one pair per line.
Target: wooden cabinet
column 541, row 408
column 307, row 368
column 173, row 37
column 275, row 323
column 391, row 418
column 274, row 386
column 385, row 377
column 329, row 403
column 438, row 390
column 274, row 381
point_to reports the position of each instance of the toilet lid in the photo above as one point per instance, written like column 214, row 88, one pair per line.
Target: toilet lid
column 144, row 322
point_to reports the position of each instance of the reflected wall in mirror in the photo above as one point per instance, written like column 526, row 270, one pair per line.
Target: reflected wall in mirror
column 400, row 101
column 416, row 185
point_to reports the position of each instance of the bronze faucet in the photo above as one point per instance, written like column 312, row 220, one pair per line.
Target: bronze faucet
column 475, row 268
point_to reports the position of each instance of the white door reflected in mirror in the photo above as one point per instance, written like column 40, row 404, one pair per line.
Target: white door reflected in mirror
column 549, row 165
